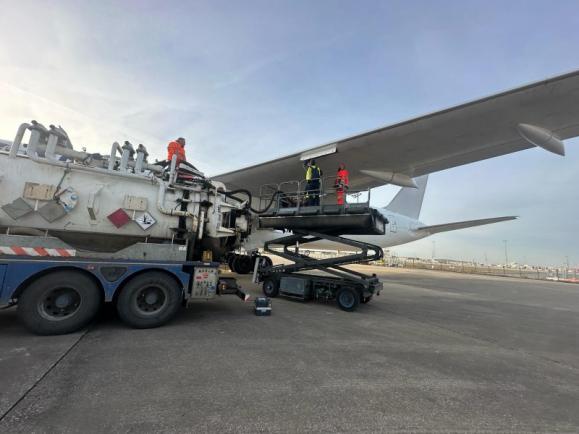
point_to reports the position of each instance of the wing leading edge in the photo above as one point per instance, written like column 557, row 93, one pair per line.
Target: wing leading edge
column 474, row 131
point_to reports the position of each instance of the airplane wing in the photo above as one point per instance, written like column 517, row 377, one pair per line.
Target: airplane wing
column 434, row 229
column 540, row 114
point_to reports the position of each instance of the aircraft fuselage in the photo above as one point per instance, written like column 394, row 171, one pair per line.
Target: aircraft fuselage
column 399, row 230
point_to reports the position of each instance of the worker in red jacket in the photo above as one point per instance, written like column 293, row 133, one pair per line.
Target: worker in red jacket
column 177, row 147
column 342, row 183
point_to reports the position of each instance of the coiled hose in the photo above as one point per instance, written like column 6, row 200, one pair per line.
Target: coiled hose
column 231, row 194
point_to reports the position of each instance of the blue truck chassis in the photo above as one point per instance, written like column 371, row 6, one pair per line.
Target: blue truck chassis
column 62, row 295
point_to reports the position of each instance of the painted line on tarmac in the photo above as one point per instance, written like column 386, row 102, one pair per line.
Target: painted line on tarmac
column 43, row 376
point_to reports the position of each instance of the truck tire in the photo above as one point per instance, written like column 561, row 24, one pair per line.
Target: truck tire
column 348, row 299
column 230, row 262
column 266, row 261
column 270, row 287
column 233, row 264
column 60, row 302
column 243, row 264
column 149, row 300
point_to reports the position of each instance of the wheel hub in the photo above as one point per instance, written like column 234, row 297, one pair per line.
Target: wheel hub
column 151, row 299
column 347, row 299
column 59, row 303
column 63, row 301
column 269, row 288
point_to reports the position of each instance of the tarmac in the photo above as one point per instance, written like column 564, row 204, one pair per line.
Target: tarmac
column 436, row 351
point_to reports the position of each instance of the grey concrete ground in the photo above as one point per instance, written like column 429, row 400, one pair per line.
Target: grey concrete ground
column 435, row 352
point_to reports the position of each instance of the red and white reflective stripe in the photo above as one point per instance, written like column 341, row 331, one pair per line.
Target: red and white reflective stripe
column 35, row 251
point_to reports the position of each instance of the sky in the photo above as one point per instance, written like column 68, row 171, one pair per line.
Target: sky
column 247, row 81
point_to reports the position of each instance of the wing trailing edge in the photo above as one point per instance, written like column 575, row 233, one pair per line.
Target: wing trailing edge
column 434, row 229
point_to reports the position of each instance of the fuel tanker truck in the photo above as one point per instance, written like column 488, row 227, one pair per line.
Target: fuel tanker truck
column 78, row 229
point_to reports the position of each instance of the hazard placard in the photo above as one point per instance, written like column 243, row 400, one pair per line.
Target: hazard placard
column 119, row 218
column 145, row 221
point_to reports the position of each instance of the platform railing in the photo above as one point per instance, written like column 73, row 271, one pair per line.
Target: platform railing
column 295, row 194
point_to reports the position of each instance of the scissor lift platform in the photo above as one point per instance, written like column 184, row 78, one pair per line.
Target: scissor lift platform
column 348, row 287
column 353, row 219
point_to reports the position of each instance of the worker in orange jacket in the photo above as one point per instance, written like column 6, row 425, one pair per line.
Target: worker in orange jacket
column 177, row 147
column 342, row 183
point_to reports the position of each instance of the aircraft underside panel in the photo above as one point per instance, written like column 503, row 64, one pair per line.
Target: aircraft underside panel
column 329, row 220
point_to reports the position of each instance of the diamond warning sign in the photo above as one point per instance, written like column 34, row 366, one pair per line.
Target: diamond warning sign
column 145, row 221
column 119, row 218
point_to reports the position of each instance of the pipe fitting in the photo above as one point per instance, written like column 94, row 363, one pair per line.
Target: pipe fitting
column 128, row 152
column 113, row 156
column 142, row 155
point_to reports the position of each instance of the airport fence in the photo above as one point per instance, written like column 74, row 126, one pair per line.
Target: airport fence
column 562, row 274
column 522, row 272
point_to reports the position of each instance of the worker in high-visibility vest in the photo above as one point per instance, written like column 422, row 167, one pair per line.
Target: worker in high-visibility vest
column 313, row 175
column 177, row 147
column 342, row 183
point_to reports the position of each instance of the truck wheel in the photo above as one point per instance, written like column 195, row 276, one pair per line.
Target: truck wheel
column 230, row 262
column 243, row 264
column 271, row 287
column 348, row 299
column 59, row 302
column 149, row 300
column 266, row 260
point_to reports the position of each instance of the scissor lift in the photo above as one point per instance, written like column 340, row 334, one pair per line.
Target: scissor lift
column 309, row 224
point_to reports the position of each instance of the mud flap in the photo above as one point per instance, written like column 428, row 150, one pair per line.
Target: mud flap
column 228, row 285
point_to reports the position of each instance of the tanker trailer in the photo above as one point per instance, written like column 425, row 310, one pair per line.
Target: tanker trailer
column 78, row 229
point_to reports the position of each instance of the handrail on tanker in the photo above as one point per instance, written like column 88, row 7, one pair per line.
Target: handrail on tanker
column 18, row 140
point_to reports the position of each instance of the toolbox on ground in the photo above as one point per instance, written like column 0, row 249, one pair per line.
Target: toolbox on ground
column 262, row 306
